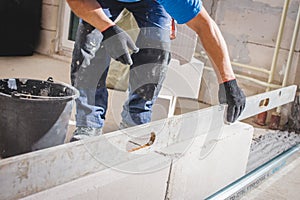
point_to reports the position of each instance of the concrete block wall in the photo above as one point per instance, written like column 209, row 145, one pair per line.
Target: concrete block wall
column 49, row 20
column 250, row 28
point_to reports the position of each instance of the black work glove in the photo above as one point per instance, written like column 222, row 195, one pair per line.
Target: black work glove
column 230, row 93
column 117, row 44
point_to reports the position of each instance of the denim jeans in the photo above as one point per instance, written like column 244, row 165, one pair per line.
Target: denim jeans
column 90, row 64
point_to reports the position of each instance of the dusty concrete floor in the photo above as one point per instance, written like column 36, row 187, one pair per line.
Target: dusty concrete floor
column 267, row 144
column 283, row 185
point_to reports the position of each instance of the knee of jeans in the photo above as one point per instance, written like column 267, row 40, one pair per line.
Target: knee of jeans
column 147, row 91
column 150, row 55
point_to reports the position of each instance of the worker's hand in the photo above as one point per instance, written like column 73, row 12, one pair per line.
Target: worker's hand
column 230, row 93
column 117, row 43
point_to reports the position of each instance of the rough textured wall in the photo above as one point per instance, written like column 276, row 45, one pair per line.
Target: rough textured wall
column 250, row 28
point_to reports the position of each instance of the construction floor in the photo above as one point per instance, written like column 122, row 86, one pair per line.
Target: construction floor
column 285, row 184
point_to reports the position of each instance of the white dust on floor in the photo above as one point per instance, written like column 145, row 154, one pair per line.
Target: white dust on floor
column 267, row 144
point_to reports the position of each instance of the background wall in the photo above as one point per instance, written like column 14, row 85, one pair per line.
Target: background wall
column 250, row 28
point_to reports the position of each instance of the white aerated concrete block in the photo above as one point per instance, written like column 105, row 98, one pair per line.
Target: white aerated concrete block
column 211, row 162
column 114, row 184
column 183, row 80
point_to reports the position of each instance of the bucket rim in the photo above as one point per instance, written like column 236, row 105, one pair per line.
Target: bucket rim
column 43, row 98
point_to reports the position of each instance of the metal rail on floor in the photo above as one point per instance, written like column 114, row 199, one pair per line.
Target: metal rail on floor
column 251, row 180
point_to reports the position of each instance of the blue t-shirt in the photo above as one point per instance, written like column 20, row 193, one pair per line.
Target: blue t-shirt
column 129, row 1
column 181, row 10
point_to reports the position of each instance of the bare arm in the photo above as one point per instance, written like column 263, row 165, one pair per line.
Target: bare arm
column 214, row 45
column 91, row 11
column 115, row 40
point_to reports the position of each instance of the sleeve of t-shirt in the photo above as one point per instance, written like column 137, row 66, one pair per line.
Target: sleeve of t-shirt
column 182, row 10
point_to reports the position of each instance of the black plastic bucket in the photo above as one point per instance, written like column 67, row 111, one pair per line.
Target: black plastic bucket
column 34, row 114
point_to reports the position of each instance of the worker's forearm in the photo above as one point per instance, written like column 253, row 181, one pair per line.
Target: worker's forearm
column 91, row 12
column 214, row 45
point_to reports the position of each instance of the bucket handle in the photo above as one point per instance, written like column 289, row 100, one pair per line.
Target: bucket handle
column 18, row 95
column 50, row 79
